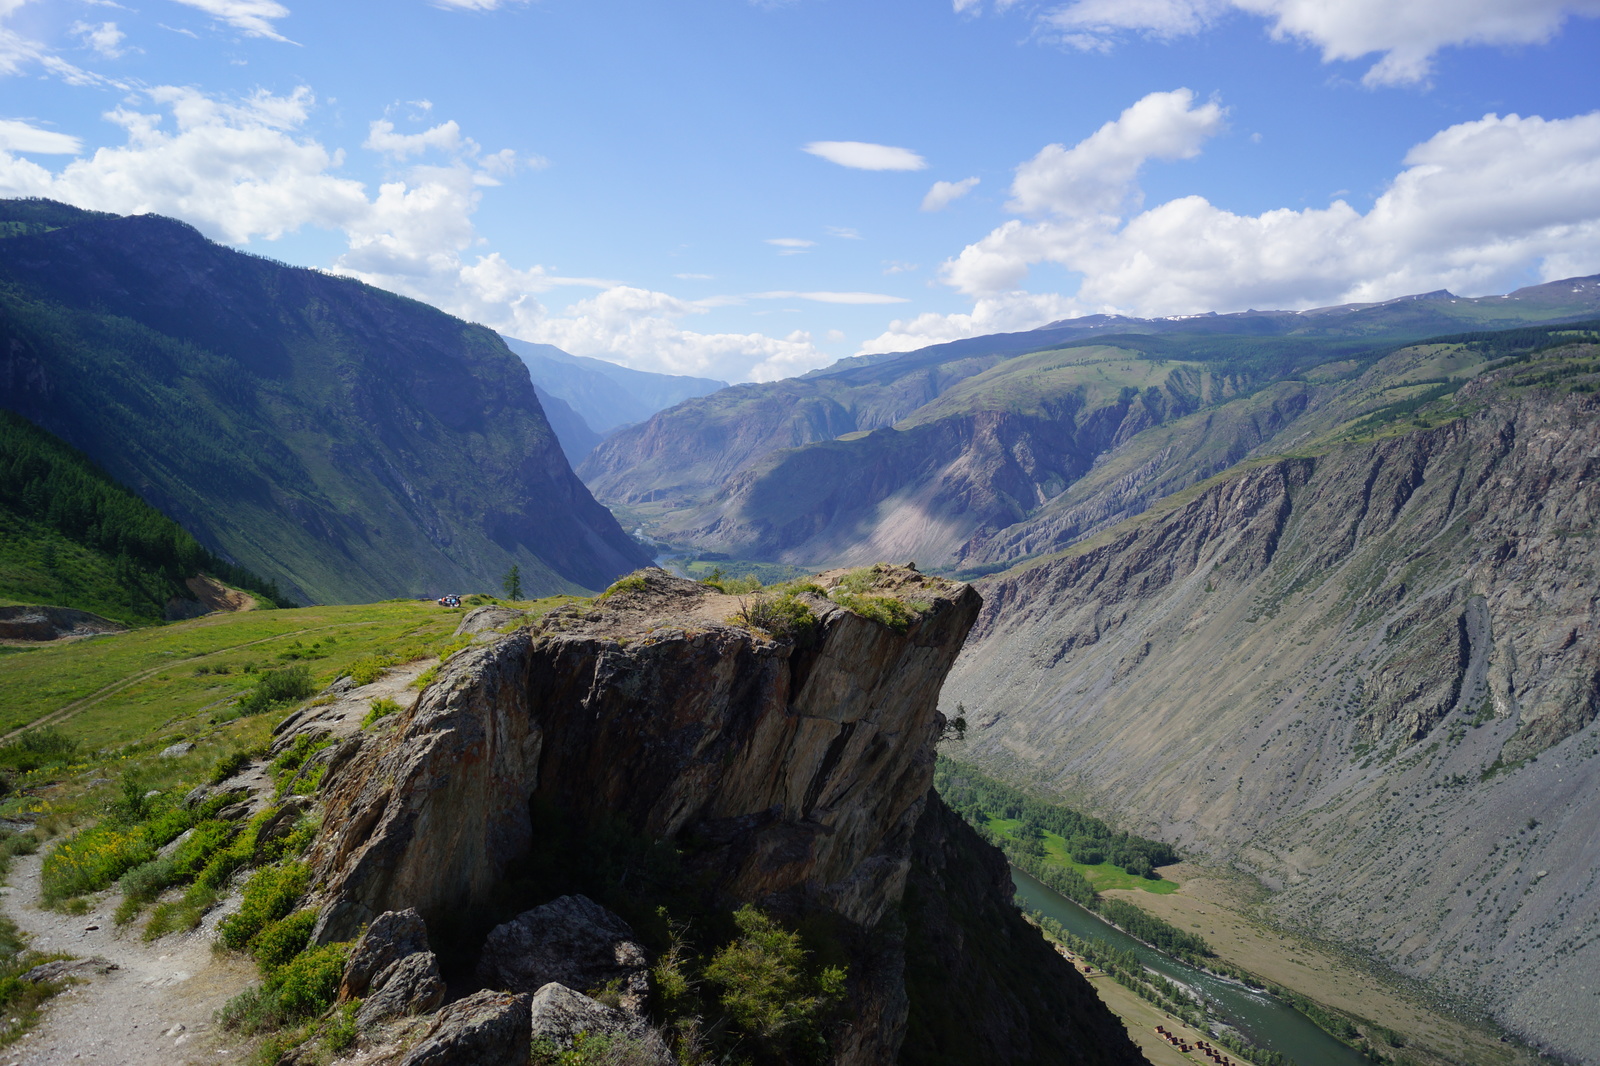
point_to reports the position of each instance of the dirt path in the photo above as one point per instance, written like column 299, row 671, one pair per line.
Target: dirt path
column 154, row 1009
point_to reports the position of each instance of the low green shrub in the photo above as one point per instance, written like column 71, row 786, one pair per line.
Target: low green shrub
column 278, row 687
column 270, row 894
column 92, row 859
column 148, row 880
column 282, row 940
column 229, row 765
column 766, row 987
column 381, row 708
column 883, row 609
column 307, row 984
column 37, row 748
column 785, row 616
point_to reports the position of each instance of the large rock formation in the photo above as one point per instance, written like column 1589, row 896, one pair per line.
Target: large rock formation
column 1370, row 676
column 788, row 772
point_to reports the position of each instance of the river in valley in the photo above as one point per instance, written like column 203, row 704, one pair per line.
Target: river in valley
column 1264, row 1019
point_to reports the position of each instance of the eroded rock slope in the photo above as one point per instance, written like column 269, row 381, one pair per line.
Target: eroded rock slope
column 1369, row 676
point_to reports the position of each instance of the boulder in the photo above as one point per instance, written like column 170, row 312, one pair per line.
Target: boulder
column 487, row 619
column 485, row 1029
column 176, row 751
column 560, row 1014
column 282, row 823
column 572, row 940
column 411, row 985
column 392, row 936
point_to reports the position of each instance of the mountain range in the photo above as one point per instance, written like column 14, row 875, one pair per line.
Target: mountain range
column 601, row 396
column 984, row 451
column 346, row 442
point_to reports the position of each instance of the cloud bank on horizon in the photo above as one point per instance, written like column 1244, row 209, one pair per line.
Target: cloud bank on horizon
column 1477, row 205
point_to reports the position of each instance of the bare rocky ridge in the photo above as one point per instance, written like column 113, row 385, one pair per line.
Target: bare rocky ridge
column 800, row 771
column 1369, row 677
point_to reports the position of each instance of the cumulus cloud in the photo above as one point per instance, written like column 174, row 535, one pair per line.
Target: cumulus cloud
column 18, row 136
column 245, row 169
column 1096, row 174
column 1404, row 34
column 253, row 18
column 945, row 193
column 643, row 329
column 834, row 297
column 1001, row 313
column 104, row 38
column 1477, row 206
column 862, row 155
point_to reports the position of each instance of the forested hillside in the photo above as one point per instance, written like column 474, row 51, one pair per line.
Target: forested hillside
column 72, row 537
column 348, row 443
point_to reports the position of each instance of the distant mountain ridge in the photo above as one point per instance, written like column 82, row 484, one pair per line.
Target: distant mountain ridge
column 968, row 453
column 349, row 443
column 605, row 395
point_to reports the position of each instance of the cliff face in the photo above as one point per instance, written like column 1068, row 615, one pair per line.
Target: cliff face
column 790, row 776
column 1369, row 676
column 347, row 442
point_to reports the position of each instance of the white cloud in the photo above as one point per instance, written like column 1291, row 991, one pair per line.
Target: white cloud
column 695, row 277
column 445, row 137
column 1405, row 34
column 475, row 5
column 104, row 38
column 945, row 193
column 253, row 18
column 791, row 245
column 642, row 329
column 1094, row 175
column 862, row 155
column 1001, row 313
column 844, row 233
column 16, row 136
column 243, row 169
column 834, row 297
column 1476, row 209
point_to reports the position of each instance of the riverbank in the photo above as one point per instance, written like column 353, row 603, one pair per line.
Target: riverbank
column 1224, row 908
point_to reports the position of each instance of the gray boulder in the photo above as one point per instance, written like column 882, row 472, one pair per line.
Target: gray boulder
column 572, row 940
column 487, row 619
column 485, row 1029
column 392, row 936
column 411, row 985
column 560, row 1014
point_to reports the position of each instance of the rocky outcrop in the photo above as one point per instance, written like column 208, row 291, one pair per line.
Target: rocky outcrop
column 484, row 1029
column 38, row 623
column 571, row 940
column 788, row 772
column 560, row 1015
column 1369, row 676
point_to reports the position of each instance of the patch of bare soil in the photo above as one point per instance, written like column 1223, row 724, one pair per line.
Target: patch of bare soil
column 219, row 597
column 154, row 1009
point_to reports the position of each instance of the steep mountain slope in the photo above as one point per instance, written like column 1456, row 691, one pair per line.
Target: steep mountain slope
column 72, row 537
column 606, row 395
column 950, row 454
column 1367, row 673
column 350, row 443
column 572, row 432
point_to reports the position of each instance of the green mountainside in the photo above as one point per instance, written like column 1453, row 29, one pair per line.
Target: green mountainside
column 346, row 442
column 1361, row 667
column 72, row 537
column 977, row 453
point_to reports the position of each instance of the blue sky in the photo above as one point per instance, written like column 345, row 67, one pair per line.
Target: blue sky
column 752, row 189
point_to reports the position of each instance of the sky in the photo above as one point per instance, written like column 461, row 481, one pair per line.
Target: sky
column 749, row 189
